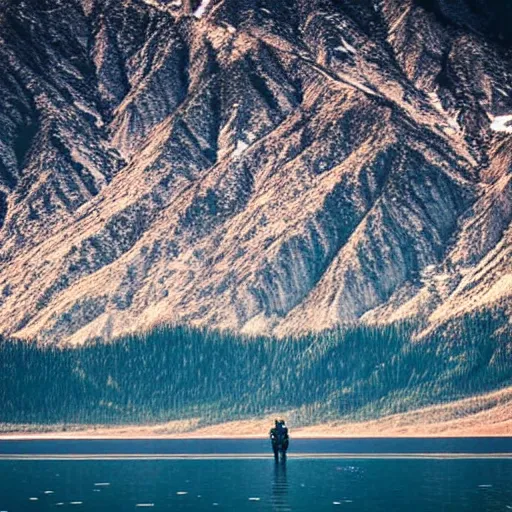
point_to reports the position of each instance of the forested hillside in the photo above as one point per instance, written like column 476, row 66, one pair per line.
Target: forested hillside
column 175, row 373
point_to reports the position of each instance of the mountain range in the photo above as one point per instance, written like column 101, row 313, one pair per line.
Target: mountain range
column 268, row 167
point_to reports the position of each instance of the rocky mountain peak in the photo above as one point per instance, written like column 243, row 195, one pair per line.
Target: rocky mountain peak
column 273, row 167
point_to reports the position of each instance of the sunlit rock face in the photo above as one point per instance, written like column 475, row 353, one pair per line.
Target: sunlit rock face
column 264, row 166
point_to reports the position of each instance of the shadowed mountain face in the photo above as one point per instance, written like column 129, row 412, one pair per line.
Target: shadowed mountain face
column 267, row 166
column 492, row 18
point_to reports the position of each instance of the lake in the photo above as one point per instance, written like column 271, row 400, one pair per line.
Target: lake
column 250, row 482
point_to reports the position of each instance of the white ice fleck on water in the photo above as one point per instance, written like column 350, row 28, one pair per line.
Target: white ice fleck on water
column 33, row 499
column 181, row 493
column 76, row 502
column 102, row 484
column 49, row 492
column 336, row 502
column 254, row 499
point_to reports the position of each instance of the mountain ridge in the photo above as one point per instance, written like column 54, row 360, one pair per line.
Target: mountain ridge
column 264, row 168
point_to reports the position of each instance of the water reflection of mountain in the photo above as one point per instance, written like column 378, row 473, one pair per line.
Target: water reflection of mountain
column 280, row 488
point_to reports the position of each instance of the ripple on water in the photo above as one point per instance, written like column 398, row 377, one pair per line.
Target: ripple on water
column 145, row 505
column 349, row 469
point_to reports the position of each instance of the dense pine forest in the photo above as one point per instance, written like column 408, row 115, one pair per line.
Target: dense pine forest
column 357, row 372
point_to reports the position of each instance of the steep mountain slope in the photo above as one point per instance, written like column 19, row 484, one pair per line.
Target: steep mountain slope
column 263, row 166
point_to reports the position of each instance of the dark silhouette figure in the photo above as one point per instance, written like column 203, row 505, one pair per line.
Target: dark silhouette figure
column 279, row 439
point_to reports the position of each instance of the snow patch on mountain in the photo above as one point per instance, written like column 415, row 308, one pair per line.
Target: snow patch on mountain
column 199, row 12
column 241, row 146
column 264, row 174
column 164, row 7
column 347, row 47
column 502, row 124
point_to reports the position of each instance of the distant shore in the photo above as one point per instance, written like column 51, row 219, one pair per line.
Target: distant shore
column 298, row 435
column 256, row 429
column 309, row 433
column 488, row 415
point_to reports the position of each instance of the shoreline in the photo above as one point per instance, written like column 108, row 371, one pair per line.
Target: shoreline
column 192, row 437
column 212, row 433
column 482, row 416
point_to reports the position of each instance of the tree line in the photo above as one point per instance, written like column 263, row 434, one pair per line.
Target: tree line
column 176, row 372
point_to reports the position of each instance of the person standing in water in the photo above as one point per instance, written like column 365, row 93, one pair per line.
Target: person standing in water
column 279, row 439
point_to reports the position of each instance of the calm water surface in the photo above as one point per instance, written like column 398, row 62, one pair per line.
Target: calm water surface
column 256, row 485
